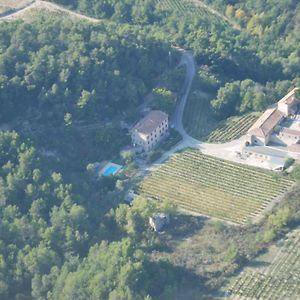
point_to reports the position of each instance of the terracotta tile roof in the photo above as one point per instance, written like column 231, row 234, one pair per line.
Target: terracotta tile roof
column 290, row 131
column 266, row 123
column 150, row 122
column 294, row 148
column 289, row 98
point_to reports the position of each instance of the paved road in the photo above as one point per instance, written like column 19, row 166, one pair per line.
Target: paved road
column 187, row 59
column 226, row 150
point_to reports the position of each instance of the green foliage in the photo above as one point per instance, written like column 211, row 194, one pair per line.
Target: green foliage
column 68, row 79
column 135, row 218
column 163, row 99
column 232, row 254
column 295, row 174
column 243, row 96
column 128, row 156
column 289, row 162
column 153, row 155
column 226, row 100
column 280, row 219
column 68, row 67
column 110, row 271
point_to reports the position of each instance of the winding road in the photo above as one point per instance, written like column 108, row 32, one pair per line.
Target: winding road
column 225, row 150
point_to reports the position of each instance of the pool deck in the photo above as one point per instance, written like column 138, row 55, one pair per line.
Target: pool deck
column 110, row 165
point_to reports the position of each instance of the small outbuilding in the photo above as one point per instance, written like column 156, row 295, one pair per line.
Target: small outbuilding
column 158, row 221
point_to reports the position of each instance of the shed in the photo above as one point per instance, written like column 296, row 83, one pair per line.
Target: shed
column 158, row 221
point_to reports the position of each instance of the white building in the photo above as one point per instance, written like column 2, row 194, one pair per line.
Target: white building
column 288, row 103
column 288, row 136
column 149, row 131
column 262, row 130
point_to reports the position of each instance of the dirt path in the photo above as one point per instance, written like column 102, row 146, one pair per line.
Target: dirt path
column 47, row 6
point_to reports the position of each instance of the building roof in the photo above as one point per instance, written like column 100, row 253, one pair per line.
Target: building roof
column 266, row 123
column 290, row 131
column 294, row 148
column 150, row 122
column 289, row 98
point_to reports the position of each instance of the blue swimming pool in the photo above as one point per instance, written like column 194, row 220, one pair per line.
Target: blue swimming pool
column 111, row 170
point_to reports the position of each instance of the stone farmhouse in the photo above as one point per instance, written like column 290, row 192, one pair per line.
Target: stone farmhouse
column 267, row 128
column 149, row 131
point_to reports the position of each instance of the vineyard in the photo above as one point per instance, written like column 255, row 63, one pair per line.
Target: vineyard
column 213, row 187
column 199, row 123
column 280, row 279
column 197, row 118
column 232, row 129
column 185, row 7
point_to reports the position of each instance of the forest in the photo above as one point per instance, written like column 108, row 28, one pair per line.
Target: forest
column 64, row 232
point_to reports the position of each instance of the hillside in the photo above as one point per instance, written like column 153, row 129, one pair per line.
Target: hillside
column 75, row 77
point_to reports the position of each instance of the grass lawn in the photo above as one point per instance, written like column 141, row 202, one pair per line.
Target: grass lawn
column 213, row 187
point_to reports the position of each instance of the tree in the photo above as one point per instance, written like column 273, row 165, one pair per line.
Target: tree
column 227, row 98
column 68, row 119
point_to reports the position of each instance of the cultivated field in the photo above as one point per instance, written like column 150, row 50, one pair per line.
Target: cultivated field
column 197, row 118
column 190, row 7
column 213, row 187
column 232, row 129
column 275, row 280
column 199, row 122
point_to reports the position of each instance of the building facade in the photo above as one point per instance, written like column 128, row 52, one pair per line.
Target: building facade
column 288, row 104
column 149, row 131
column 264, row 129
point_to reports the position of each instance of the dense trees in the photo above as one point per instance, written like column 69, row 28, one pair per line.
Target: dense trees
column 264, row 50
column 87, row 71
column 46, row 229
column 238, row 97
column 63, row 234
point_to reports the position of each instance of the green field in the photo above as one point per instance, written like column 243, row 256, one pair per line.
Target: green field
column 213, row 187
column 199, row 122
column 276, row 279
